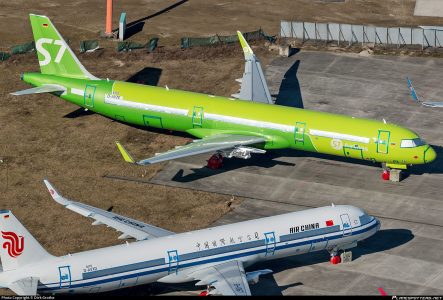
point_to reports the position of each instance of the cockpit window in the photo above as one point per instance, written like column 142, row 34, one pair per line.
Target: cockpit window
column 365, row 219
column 412, row 143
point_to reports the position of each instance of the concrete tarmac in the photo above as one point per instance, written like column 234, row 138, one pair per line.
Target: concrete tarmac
column 406, row 256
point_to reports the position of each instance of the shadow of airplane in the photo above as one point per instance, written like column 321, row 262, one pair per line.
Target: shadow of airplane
column 134, row 29
column 289, row 93
column 270, row 159
column 80, row 112
column 383, row 240
column 435, row 167
column 148, row 76
column 228, row 165
column 164, row 10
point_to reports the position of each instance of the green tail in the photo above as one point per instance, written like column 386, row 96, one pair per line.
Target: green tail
column 54, row 55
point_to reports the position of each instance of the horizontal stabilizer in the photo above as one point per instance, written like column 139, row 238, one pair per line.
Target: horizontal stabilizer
column 47, row 88
column 25, row 286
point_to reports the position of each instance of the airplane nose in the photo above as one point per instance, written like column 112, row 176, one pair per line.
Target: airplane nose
column 430, row 155
column 378, row 224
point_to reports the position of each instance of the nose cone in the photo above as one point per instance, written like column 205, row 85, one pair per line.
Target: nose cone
column 430, row 155
column 378, row 224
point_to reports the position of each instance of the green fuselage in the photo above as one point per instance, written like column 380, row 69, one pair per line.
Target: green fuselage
column 203, row 115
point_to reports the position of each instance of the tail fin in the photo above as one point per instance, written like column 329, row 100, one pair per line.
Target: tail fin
column 18, row 246
column 54, row 55
column 412, row 90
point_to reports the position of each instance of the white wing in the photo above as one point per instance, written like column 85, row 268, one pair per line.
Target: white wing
column 129, row 227
column 433, row 104
column 209, row 144
column 228, row 279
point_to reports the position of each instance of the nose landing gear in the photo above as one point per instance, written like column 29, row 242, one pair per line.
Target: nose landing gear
column 386, row 174
column 335, row 259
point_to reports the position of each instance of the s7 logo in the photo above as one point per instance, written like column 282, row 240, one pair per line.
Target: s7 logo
column 46, row 54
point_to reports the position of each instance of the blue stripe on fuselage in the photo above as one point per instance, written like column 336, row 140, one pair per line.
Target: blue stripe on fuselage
column 211, row 260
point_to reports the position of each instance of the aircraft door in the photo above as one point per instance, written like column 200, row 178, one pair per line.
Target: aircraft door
column 65, row 277
column 353, row 152
column 319, row 244
column 89, row 95
column 152, row 121
column 299, row 133
column 270, row 243
column 346, row 222
column 94, row 290
column 197, row 116
column 173, row 260
column 383, row 141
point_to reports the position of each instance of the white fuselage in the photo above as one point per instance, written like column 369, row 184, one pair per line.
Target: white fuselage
column 171, row 258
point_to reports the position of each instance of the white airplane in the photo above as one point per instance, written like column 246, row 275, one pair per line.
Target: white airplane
column 415, row 97
column 216, row 256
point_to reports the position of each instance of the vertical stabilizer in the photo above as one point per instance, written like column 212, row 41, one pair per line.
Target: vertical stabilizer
column 18, row 246
column 54, row 55
column 253, row 84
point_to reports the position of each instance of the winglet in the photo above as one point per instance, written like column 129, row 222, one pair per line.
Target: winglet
column 54, row 194
column 244, row 44
column 126, row 156
column 412, row 90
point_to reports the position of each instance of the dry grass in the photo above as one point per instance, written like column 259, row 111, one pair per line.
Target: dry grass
column 38, row 141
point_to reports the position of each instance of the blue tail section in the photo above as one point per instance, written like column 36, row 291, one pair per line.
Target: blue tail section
column 412, row 90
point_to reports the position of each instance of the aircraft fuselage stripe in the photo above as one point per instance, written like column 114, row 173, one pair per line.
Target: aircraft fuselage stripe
column 138, row 105
column 118, row 276
column 341, row 136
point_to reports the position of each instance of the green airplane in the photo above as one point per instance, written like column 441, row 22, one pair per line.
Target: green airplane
column 233, row 127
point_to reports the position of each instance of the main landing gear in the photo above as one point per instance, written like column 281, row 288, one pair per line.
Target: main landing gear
column 206, row 293
column 335, row 257
column 340, row 256
column 391, row 174
column 215, row 161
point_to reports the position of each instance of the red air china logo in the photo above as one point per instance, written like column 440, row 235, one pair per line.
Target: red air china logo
column 14, row 244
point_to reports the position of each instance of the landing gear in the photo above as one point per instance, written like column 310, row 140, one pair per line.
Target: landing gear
column 386, row 172
column 393, row 174
column 206, row 293
column 335, row 259
column 215, row 161
column 386, row 175
column 335, row 256
column 339, row 256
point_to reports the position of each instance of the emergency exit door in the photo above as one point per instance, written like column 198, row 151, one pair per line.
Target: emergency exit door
column 65, row 277
column 89, row 95
column 270, row 243
column 173, row 260
column 197, row 116
column 346, row 223
column 299, row 132
column 383, row 141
